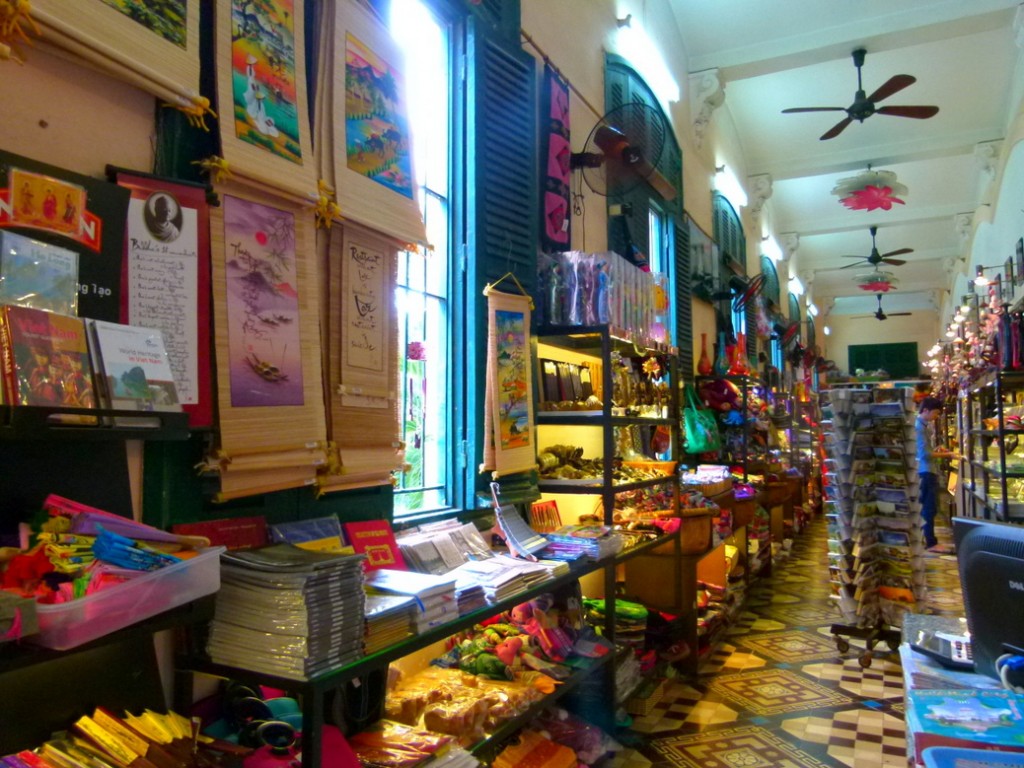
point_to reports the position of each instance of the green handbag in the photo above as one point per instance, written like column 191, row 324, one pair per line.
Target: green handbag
column 700, row 430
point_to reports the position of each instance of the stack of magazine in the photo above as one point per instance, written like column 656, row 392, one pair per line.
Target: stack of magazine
column 434, row 595
column 574, row 541
column 389, row 620
column 289, row 611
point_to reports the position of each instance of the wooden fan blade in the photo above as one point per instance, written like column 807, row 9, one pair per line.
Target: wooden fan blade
column 897, row 252
column 836, row 129
column 610, row 140
column 918, row 113
column 853, row 256
column 894, row 84
column 894, row 262
column 848, row 266
column 794, row 110
column 899, row 314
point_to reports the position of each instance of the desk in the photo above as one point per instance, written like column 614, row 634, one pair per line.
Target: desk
column 926, row 677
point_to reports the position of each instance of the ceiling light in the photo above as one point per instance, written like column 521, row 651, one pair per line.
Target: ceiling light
column 812, row 310
column 728, row 185
column 828, row 331
column 979, row 277
column 795, row 286
column 950, row 333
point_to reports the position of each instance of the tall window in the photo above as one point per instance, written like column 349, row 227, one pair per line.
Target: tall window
column 659, row 242
column 424, row 280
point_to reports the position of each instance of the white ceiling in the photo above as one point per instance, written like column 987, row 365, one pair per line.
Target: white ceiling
column 797, row 53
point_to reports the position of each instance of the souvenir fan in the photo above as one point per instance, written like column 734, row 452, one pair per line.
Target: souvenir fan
column 870, row 190
column 787, row 334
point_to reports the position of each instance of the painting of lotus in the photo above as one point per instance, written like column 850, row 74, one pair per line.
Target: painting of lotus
column 263, row 76
column 376, row 122
column 262, row 305
column 513, row 355
column 164, row 17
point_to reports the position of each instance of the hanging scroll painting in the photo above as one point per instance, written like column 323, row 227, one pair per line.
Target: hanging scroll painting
column 266, row 330
column 509, row 396
column 261, row 88
column 153, row 45
column 166, row 278
column 373, row 170
column 262, row 305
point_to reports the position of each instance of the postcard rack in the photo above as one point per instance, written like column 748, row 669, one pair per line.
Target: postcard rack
column 876, row 548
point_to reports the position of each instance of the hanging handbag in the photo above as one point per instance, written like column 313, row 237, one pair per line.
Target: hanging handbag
column 700, row 430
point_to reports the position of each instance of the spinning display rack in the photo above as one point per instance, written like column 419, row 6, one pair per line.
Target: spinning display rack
column 876, row 563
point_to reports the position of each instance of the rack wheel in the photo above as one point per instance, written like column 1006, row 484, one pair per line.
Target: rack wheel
column 842, row 645
column 893, row 643
column 865, row 659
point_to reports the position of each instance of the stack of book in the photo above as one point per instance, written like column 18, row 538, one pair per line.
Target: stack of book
column 434, row 595
column 389, row 620
column 301, row 613
column 571, row 542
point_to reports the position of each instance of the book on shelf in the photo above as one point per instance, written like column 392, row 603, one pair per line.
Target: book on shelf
column 411, row 583
column 45, row 359
column 37, row 274
column 133, row 371
column 318, row 534
column 376, row 540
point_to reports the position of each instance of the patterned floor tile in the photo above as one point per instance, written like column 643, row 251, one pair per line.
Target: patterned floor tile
column 807, row 614
column 745, row 747
column 705, row 713
column 855, row 737
column 741, row 660
column 775, row 691
column 794, row 646
column 625, row 758
column 715, row 663
column 882, row 680
column 758, row 625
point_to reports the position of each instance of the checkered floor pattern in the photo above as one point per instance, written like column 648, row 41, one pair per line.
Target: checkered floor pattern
column 777, row 692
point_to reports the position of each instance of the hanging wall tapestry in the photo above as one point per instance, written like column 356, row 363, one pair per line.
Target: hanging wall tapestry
column 166, row 278
column 261, row 94
column 555, row 152
column 363, row 364
column 508, row 409
column 152, row 45
column 270, row 403
column 373, row 170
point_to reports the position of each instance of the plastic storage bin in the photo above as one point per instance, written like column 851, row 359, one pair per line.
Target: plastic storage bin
column 66, row 625
column 957, row 757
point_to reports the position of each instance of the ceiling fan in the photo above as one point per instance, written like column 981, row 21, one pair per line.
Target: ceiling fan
column 864, row 106
column 622, row 151
column 875, row 258
column 880, row 315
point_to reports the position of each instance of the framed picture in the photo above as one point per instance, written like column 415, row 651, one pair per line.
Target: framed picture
column 1020, row 262
column 1008, row 273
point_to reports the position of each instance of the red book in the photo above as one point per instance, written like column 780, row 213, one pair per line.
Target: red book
column 376, row 540
column 46, row 359
column 231, row 532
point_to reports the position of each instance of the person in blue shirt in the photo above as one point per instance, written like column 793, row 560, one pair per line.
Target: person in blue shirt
column 927, row 461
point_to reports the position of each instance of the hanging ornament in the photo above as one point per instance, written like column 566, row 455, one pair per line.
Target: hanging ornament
column 870, row 191
column 878, row 282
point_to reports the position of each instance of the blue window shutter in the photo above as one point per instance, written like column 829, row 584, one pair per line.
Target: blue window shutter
column 771, row 280
column 794, row 308
column 501, row 16
column 501, row 206
column 683, row 300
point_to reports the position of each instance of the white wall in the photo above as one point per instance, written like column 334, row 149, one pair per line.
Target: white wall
column 920, row 327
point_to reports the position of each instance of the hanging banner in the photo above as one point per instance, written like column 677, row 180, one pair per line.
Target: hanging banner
column 373, row 169
column 261, row 94
column 166, row 278
column 508, row 412
column 152, row 45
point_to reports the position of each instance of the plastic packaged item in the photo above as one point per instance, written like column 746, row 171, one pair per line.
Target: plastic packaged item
column 66, row 625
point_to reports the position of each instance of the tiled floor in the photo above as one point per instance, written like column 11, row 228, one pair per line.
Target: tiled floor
column 777, row 693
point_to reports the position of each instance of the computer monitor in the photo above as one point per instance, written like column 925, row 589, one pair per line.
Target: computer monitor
column 991, row 561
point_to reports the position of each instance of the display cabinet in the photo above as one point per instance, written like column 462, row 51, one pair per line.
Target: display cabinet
column 314, row 693
column 992, row 475
column 744, row 437
column 621, row 426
